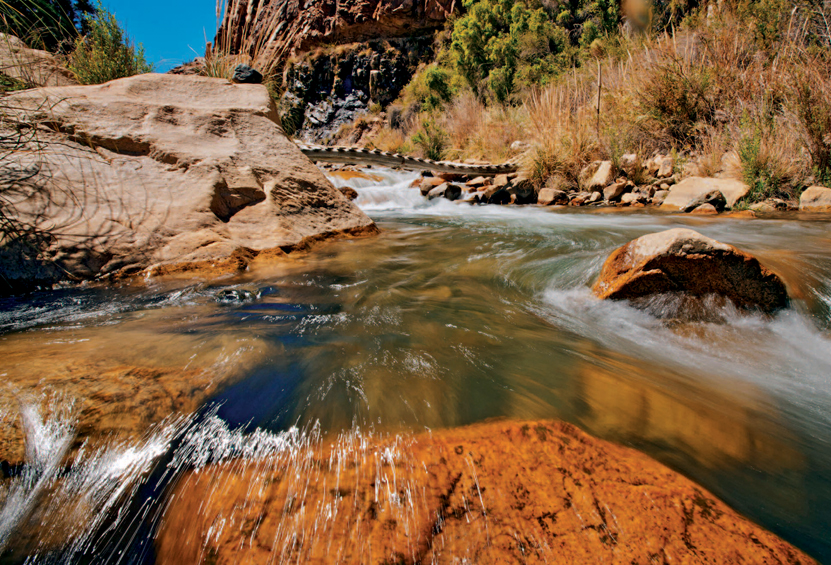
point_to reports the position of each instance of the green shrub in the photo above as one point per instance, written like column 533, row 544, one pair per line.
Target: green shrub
column 768, row 165
column 105, row 53
column 430, row 88
column 432, row 140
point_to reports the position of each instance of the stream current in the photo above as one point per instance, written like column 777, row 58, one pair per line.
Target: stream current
column 455, row 314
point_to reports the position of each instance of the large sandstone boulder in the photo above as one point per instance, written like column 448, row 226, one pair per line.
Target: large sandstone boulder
column 816, row 199
column 499, row 492
column 693, row 192
column 683, row 260
column 159, row 173
column 33, row 67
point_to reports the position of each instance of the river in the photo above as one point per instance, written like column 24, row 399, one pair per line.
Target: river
column 455, row 314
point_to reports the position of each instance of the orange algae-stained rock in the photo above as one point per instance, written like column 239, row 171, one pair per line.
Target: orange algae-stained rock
column 503, row 492
column 684, row 260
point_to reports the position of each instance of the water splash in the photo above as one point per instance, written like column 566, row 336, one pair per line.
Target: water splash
column 58, row 507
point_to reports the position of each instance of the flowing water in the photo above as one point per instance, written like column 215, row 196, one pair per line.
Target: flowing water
column 454, row 315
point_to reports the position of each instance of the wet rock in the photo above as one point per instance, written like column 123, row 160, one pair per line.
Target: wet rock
column 119, row 383
column 479, row 182
column 496, row 195
column 815, row 199
column 522, row 189
column 167, row 174
column 597, row 175
column 694, row 191
column 498, row 491
column 446, row 190
column 235, row 296
column 615, row 191
column 682, row 260
column 243, row 74
column 349, row 192
column 429, row 183
column 549, row 196
column 705, row 210
column 596, row 196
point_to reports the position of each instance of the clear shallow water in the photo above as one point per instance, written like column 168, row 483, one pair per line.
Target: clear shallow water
column 455, row 314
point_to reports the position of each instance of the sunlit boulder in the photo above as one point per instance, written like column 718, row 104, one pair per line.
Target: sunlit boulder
column 683, row 260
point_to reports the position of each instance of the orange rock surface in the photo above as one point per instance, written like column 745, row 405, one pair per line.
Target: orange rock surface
column 499, row 492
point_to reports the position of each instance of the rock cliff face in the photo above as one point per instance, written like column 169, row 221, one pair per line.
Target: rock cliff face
column 300, row 25
column 157, row 173
column 380, row 43
column 326, row 89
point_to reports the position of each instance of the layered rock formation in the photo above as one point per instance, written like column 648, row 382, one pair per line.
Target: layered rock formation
column 683, row 260
column 289, row 26
column 505, row 492
column 158, row 173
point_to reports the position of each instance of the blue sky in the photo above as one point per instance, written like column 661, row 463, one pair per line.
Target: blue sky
column 172, row 32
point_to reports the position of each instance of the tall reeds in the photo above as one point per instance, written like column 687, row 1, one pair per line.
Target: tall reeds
column 251, row 33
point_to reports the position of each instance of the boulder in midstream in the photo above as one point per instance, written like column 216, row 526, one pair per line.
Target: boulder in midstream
column 683, row 260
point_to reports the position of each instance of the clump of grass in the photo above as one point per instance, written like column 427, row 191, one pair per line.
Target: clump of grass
column 105, row 53
column 52, row 25
column 248, row 35
column 431, row 139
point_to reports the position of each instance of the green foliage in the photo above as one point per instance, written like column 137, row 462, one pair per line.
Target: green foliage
column 44, row 24
column 765, row 168
column 430, row 88
column 432, row 140
column 106, row 53
column 503, row 46
column 761, row 180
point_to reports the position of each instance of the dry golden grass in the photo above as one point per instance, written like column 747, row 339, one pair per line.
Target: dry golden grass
column 737, row 104
column 254, row 42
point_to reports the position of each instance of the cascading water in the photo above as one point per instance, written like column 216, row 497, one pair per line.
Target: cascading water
column 309, row 380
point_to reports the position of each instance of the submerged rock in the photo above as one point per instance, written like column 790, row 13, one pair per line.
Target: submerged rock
column 683, row 260
column 504, row 492
column 163, row 173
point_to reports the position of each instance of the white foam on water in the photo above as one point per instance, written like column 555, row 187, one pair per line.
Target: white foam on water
column 787, row 354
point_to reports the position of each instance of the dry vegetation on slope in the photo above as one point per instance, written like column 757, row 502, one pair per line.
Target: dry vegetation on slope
column 738, row 88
